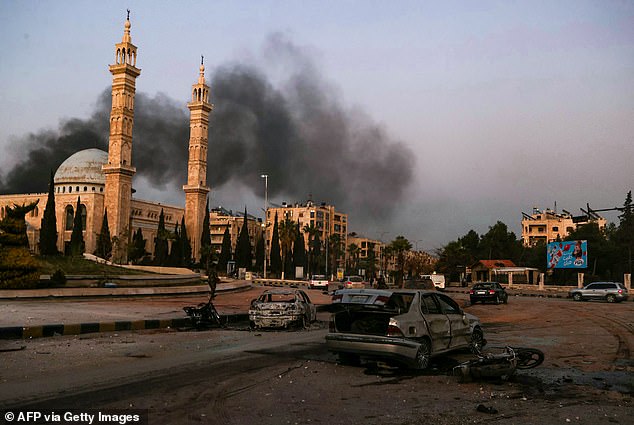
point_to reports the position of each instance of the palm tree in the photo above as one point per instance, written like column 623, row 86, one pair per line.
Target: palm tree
column 353, row 259
column 335, row 245
column 287, row 231
column 399, row 246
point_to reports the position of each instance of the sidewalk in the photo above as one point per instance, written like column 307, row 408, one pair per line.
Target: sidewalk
column 70, row 311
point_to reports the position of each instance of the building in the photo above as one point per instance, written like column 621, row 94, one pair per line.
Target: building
column 221, row 219
column 503, row 271
column 101, row 182
column 324, row 218
column 366, row 248
column 548, row 225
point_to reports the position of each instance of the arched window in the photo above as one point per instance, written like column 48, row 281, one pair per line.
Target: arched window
column 70, row 214
column 70, row 189
column 85, row 189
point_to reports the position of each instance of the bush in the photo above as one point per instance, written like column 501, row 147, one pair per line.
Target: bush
column 58, row 278
column 18, row 269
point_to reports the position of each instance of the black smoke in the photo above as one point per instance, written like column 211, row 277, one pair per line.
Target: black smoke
column 298, row 132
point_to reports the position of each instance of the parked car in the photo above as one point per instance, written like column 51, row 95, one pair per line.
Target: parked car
column 354, row 282
column 318, row 281
column 609, row 291
column 437, row 279
column 488, row 291
column 282, row 308
column 403, row 327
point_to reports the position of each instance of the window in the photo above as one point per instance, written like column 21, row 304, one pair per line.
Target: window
column 70, row 214
column 448, row 305
column 555, row 229
column 429, row 305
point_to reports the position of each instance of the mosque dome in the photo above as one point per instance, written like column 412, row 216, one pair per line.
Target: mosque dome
column 83, row 167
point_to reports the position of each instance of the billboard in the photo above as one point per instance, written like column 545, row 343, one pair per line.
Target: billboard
column 567, row 255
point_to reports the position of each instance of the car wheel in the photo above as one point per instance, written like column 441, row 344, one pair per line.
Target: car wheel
column 473, row 301
column 610, row 298
column 506, row 299
column 577, row 297
column 423, row 355
column 348, row 359
column 477, row 340
column 497, row 299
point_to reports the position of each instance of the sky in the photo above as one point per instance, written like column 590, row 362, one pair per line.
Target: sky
column 435, row 117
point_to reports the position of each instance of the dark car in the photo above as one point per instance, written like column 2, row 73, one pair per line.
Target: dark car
column 609, row 291
column 488, row 291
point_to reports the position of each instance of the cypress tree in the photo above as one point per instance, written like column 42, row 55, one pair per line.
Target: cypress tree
column 48, row 232
column 244, row 257
column 137, row 249
column 299, row 250
column 275, row 255
column 259, row 254
column 225, row 253
column 104, row 243
column 186, row 247
column 77, row 235
column 205, row 240
column 160, row 242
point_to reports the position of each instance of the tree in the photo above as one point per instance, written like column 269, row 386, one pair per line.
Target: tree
column 299, row 250
column 225, row 252
column 186, row 246
column 104, row 243
column 18, row 269
column 77, row 235
column 624, row 235
column 160, row 242
column 274, row 256
column 335, row 251
column 399, row 246
column 498, row 243
column 369, row 262
column 244, row 257
column 287, row 237
column 313, row 248
column 48, row 231
column 137, row 251
column 205, row 241
column 353, row 258
column 259, row 254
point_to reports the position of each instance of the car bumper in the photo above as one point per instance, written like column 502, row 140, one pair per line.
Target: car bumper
column 399, row 349
column 260, row 320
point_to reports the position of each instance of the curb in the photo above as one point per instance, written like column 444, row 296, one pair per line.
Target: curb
column 42, row 331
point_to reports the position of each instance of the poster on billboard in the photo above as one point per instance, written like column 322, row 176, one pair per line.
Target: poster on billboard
column 567, row 255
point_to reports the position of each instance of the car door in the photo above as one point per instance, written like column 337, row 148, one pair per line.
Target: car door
column 460, row 330
column 593, row 291
column 437, row 322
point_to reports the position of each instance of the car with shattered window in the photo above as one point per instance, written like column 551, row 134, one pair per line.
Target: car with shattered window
column 401, row 327
column 282, row 308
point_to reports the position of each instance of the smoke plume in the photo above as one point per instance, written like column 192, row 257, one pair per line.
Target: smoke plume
column 297, row 131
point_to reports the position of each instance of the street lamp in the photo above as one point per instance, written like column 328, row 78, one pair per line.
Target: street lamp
column 266, row 207
column 381, row 253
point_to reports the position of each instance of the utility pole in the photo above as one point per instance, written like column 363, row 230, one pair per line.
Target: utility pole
column 266, row 207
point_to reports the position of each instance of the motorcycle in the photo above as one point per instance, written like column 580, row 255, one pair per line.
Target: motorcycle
column 499, row 365
column 205, row 315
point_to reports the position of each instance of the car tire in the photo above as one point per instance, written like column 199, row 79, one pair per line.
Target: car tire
column 473, row 301
column 506, row 299
column 577, row 297
column 477, row 340
column 497, row 299
column 423, row 355
column 610, row 298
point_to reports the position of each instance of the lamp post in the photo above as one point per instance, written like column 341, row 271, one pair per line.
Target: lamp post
column 381, row 253
column 266, row 207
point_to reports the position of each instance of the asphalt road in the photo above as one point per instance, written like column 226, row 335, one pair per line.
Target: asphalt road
column 234, row 376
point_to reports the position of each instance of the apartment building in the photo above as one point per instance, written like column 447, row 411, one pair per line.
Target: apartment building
column 221, row 218
column 548, row 225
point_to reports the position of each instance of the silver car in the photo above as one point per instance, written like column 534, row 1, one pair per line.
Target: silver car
column 282, row 308
column 609, row 291
column 406, row 327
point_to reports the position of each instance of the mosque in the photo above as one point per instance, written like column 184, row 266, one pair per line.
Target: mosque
column 102, row 181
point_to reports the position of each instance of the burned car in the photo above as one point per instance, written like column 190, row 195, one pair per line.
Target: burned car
column 403, row 327
column 282, row 308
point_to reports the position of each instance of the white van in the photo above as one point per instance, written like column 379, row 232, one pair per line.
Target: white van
column 437, row 279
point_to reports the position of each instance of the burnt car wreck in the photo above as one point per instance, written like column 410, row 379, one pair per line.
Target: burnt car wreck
column 282, row 308
column 403, row 327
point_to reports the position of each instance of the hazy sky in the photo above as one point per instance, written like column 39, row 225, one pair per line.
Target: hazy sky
column 501, row 105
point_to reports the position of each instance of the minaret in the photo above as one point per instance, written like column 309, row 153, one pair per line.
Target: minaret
column 196, row 189
column 119, row 170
